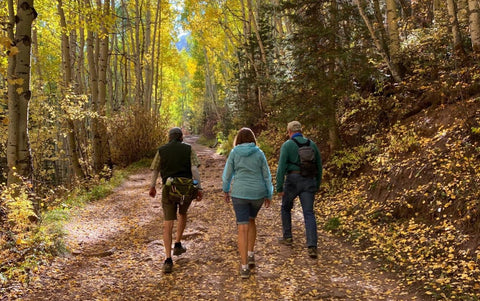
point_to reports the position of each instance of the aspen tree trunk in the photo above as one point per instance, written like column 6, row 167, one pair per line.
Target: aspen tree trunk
column 252, row 92
column 210, row 85
column 457, row 36
column 474, row 23
column 154, row 58
column 462, row 11
column 67, row 74
column 126, row 55
column 277, row 20
column 278, row 31
column 378, row 43
column 111, row 78
column 80, row 85
column 137, row 56
column 93, row 71
column 124, row 68
column 437, row 12
column 19, row 94
column 79, row 53
column 394, row 36
column 102, row 140
column 159, row 65
column 113, row 83
column 36, row 54
column 378, row 26
column 253, row 22
column 13, row 104
column 333, row 132
column 148, row 67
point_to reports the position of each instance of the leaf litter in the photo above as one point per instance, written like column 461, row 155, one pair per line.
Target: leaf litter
column 117, row 254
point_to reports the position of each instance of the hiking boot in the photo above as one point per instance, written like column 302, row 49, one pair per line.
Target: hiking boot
column 286, row 241
column 244, row 273
column 251, row 262
column 179, row 249
column 168, row 266
column 312, row 252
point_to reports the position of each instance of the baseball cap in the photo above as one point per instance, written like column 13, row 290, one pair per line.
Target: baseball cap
column 175, row 132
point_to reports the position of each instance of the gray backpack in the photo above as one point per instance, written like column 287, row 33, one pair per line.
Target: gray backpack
column 308, row 163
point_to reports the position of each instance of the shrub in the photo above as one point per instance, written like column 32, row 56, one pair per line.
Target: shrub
column 135, row 134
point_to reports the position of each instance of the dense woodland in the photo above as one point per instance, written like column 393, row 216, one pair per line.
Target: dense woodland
column 389, row 90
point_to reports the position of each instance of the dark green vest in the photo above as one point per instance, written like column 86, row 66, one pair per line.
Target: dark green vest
column 175, row 160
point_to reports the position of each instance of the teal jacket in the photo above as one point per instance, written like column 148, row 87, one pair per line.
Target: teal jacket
column 248, row 168
column 289, row 160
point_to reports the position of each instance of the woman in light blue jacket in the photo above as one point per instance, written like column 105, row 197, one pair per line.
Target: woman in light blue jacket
column 252, row 186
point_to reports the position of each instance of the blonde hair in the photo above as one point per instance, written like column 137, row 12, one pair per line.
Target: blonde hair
column 244, row 135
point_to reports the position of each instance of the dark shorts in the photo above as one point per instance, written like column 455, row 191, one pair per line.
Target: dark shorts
column 246, row 209
column 170, row 207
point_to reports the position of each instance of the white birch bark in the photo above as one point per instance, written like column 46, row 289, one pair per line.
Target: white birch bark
column 474, row 23
column 19, row 94
column 456, row 34
column 67, row 77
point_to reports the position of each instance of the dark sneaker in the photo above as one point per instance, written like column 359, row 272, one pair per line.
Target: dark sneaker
column 245, row 273
column 168, row 266
column 179, row 250
column 312, row 252
column 286, row 241
column 251, row 262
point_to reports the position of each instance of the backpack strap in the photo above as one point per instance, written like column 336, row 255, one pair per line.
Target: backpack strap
column 301, row 144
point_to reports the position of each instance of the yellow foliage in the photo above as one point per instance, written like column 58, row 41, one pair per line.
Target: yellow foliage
column 19, row 208
column 413, row 211
column 13, row 51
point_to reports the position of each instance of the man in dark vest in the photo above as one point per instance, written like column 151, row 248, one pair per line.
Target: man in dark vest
column 175, row 159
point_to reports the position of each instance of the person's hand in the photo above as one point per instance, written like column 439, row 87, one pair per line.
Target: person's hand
column 227, row 197
column 152, row 192
column 199, row 195
column 267, row 202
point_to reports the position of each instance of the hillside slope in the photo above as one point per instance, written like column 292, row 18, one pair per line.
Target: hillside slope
column 409, row 196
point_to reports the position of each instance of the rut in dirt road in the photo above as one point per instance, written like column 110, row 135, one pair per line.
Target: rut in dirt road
column 117, row 254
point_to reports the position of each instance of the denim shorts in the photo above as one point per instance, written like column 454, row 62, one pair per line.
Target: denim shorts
column 246, row 209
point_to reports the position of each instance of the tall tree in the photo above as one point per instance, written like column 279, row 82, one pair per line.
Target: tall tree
column 380, row 45
column 103, row 146
column 456, row 34
column 474, row 18
column 394, row 36
column 67, row 77
column 19, row 94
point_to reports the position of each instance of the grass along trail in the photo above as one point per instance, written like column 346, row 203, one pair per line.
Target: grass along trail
column 117, row 254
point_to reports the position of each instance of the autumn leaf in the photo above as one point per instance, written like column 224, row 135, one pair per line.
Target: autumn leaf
column 13, row 51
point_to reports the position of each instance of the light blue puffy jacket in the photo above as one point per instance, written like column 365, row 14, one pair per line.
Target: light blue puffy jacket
column 248, row 168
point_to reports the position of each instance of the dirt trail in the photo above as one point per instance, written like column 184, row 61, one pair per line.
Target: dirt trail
column 117, row 254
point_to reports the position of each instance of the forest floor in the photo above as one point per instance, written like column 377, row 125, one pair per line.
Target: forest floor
column 117, row 254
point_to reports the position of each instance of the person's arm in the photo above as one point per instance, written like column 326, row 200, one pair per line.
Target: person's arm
column 318, row 158
column 281, row 169
column 195, row 163
column 227, row 176
column 155, row 167
column 267, row 177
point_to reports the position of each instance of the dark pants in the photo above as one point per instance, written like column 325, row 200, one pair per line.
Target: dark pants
column 305, row 188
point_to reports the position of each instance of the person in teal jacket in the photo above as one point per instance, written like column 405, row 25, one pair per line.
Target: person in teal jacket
column 252, row 187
